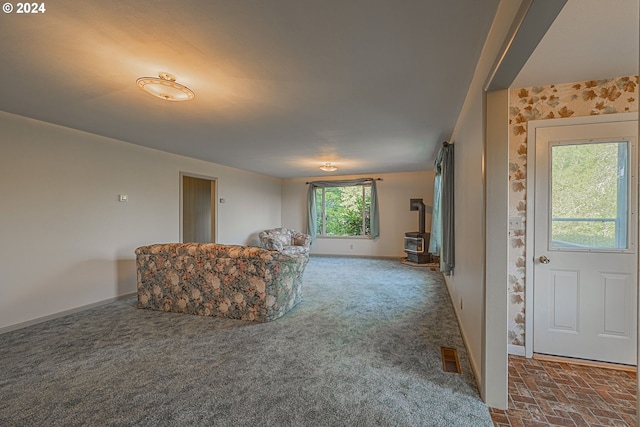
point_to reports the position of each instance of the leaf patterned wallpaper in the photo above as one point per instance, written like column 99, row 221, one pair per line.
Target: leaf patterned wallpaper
column 616, row 95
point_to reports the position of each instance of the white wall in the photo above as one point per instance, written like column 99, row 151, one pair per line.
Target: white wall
column 394, row 192
column 466, row 286
column 476, row 311
column 66, row 241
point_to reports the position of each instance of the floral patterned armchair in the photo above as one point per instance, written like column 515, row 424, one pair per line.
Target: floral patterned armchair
column 287, row 241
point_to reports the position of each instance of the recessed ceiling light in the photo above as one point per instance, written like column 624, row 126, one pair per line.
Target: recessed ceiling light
column 328, row 167
column 165, row 87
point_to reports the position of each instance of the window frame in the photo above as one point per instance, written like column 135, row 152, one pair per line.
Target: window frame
column 322, row 215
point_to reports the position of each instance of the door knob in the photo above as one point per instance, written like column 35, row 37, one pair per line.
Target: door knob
column 544, row 260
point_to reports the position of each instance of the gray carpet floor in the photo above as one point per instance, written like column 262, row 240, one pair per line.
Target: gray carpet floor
column 362, row 349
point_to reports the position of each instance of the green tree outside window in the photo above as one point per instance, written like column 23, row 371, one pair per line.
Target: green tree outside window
column 343, row 211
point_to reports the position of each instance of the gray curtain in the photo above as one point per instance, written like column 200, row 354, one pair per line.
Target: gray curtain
column 435, row 240
column 442, row 230
column 312, row 223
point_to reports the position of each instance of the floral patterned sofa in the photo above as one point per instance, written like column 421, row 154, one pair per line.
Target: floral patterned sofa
column 238, row 282
column 286, row 241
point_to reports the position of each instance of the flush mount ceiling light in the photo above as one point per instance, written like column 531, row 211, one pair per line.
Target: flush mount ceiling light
column 165, row 87
column 328, row 167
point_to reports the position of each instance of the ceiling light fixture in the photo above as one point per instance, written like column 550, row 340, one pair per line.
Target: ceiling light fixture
column 328, row 167
column 165, row 87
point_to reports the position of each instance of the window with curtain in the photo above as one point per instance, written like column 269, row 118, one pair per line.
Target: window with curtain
column 345, row 208
column 442, row 232
column 343, row 211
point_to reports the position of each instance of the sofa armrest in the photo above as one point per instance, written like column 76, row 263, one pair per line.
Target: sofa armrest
column 301, row 239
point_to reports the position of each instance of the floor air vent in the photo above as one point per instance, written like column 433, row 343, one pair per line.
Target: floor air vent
column 450, row 362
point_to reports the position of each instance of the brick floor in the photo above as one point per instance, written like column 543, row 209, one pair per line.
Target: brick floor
column 545, row 393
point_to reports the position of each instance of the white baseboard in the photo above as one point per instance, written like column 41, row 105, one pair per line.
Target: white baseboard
column 31, row 322
column 516, row 350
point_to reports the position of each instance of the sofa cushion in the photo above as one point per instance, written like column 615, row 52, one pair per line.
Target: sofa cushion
column 294, row 250
column 275, row 239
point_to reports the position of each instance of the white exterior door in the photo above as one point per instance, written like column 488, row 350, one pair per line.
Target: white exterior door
column 585, row 238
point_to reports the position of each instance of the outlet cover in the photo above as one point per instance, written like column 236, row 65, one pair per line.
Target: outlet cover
column 515, row 223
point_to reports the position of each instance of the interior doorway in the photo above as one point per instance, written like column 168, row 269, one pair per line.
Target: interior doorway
column 583, row 288
column 197, row 208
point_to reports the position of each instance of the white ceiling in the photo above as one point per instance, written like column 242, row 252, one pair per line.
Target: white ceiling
column 589, row 40
column 283, row 86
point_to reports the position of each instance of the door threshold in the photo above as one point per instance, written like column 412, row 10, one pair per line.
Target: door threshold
column 585, row 362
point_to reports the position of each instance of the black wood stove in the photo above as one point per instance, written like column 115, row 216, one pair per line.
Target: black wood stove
column 416, row 243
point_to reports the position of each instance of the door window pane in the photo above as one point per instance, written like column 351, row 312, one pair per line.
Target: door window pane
column 589, row 191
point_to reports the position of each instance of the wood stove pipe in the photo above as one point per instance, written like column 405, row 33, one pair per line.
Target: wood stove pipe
column 418, row 205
